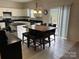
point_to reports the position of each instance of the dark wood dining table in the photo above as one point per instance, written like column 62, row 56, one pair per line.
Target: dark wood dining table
column 41, row 32
column 44, row 29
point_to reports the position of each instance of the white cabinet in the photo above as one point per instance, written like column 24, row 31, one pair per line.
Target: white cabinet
column 20, row 30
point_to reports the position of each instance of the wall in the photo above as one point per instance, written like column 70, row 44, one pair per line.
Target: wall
column 9, row 4
column 73, row 33
column 74, row 21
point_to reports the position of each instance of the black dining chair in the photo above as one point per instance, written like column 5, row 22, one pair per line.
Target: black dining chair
column 35, row 36
column 39, row 36
column 12, row 51
column 25, row 34
column 54, row 25
column 47, row 35
column 3, row 39
column 52, row 32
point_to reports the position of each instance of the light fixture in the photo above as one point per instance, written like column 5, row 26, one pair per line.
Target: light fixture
column 37, row 11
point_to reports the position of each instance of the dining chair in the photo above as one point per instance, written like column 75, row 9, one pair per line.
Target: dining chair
column 54, row 25
column 28, row 38
column 3, row 39
column 25, row 34
column 36, row 37
column 47, row 35
column 39, row 36
column 52, row 32
column 12, row 51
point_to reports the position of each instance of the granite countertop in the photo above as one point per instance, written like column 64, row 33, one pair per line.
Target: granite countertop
column 12, row 38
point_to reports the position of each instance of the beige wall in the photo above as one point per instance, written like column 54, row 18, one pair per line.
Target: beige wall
column 74, row 16
column 74, row 21
column 9, row 4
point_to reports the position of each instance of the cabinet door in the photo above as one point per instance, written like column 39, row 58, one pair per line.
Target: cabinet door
column 20, row 30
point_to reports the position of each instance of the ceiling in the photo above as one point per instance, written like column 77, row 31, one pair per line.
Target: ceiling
column 19, row 0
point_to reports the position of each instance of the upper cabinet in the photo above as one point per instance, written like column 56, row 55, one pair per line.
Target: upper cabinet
column 15, row 12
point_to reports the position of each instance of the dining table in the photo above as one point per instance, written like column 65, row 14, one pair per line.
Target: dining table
column 40, row 31
column 40, row 27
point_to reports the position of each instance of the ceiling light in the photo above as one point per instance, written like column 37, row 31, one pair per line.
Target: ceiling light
column 37, row 11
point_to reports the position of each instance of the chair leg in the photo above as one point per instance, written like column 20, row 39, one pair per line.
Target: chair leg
column 49, row 41
column 54, row 37
column 23, row 38
column 34, row 43
column 28, row 42
column 43, row 43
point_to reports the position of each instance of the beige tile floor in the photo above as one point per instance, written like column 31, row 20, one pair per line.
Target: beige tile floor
column 57, row 50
